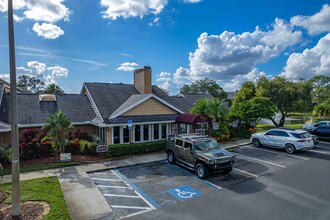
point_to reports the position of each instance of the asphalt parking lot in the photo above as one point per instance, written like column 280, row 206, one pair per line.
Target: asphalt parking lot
column 134, row 190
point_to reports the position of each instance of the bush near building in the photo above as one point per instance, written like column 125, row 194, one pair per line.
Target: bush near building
column 118, row 150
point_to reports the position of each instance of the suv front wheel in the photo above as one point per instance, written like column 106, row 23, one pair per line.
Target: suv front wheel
column 170, row 157
column 202, row 171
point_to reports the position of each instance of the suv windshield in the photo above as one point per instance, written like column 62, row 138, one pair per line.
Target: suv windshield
column 302, row 135
column 206, row 145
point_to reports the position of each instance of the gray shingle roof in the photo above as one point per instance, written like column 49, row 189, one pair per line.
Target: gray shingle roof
column 186, row 102
column 110, row 97
column 31, row 111
column 1, row 90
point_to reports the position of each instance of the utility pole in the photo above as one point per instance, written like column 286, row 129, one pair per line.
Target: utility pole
column 16, row 208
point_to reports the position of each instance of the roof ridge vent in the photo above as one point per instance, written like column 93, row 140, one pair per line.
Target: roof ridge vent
column 47, row 98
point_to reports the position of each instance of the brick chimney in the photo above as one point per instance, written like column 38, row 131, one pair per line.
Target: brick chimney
column 142, row 80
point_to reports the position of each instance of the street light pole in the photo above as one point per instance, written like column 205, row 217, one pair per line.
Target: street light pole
column 16, row 208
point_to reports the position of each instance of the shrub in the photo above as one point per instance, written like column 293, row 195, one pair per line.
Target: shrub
column 73, row 147
column 28, row 150
column 5, row 154
column 87, row 147
column 45, row 149
column 222, row 134
column 118, row 150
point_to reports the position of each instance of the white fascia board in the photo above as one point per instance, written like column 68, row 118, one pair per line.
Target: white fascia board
column 141, row 123
column 130, row 107
column 141, row 101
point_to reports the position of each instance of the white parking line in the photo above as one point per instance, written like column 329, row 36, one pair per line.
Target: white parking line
column 129, row 207
column 216, row 186
column 242, row 171
column 262, row 161
column 136, row 192
column 99, row 173
column 136, row 213
column 320, row 152
column 279, row 153
column 122, row 196
column 114, row 187
column 111, row 180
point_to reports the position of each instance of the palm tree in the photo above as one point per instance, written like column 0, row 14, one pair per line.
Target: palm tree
column 57, row 125
column 214, row 107
column 199, row 107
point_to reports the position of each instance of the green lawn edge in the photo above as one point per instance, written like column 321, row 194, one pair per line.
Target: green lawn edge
column 46, row 189
column 38, row 167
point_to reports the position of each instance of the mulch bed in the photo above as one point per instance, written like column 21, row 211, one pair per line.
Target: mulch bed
column 55, row 159
column 29, row 211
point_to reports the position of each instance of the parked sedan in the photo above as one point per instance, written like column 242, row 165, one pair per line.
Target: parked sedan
column 322, row 132
column 289, row 139
column 312, row 127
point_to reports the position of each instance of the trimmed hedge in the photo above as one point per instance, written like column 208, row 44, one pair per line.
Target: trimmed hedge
column 118, row 150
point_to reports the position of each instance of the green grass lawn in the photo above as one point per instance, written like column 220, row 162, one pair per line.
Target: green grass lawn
column 263, row 127
column 43, row 189
column 36, row 167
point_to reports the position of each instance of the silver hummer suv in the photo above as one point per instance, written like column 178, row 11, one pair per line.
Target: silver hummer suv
column 201, row 153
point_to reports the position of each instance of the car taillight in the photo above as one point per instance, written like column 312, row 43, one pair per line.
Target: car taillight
column 301, row 140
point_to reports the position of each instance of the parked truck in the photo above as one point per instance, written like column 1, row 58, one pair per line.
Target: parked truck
column 199, row 152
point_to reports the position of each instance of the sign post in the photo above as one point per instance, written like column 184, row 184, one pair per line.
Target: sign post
column 130, row 126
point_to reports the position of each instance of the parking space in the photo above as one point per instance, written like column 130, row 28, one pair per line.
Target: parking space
column 135, row 189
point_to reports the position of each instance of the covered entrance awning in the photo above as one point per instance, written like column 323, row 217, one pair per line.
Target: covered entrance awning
column 194, row 120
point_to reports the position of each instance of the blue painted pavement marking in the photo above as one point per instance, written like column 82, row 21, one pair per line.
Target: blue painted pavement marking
column 193, row 176
column 184, row 192
column 137, row 189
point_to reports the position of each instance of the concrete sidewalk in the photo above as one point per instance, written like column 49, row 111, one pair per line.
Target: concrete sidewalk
column 82, row 196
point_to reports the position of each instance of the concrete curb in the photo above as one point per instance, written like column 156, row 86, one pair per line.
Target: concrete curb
column 233, row 148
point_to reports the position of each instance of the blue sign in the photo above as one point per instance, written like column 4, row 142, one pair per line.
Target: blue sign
column 184, row 192
column 130, row 124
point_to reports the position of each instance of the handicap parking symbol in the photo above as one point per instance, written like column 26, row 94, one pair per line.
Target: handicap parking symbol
column 184, row 193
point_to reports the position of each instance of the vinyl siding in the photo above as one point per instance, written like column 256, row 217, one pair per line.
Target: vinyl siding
column 150, row 107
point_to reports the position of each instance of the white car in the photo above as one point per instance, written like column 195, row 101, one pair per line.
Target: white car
column 289, row 139
column 312, row 127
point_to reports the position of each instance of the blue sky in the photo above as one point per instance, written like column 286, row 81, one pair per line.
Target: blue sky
column 71, row 42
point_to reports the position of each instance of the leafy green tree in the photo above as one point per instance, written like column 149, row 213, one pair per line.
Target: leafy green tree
column 322, row 110
column 215, row 108
column 253, row 110
column 54, row 89
column 57, row 124
column 200, row 107
column 205, row 86
column 321, row 88
column 247, row 92
column 287, row 96
column 33, row 84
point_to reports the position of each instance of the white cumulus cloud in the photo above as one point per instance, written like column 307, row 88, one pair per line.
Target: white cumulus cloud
column 41, row 71
column 5, row 77
column 315, row 24
column 231, row 58
column 50, row 11
column 311, row 62
column 131, row 8
column 127, row 66
column 226, row 55
column 47, row 30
